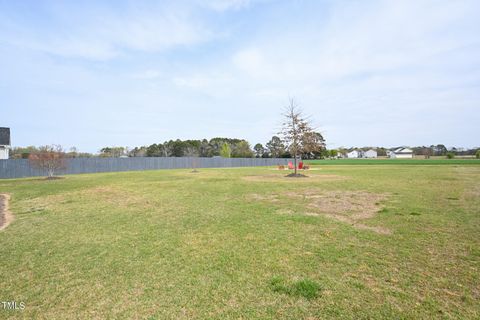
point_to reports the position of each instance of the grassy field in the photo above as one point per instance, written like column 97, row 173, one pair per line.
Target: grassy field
column 349, row 242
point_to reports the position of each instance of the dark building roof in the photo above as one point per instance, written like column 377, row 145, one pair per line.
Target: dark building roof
column 5, row 136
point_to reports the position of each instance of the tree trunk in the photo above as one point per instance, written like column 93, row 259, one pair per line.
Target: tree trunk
column 295, row 162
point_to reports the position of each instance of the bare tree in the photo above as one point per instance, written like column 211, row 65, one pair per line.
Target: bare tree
column 296, row 132
column 48, row 158
column 193, row 153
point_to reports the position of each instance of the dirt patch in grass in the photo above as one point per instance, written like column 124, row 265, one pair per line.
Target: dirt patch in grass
column 351, row 207
column 356, row 205
column 5, row 215
column 281, row 177
column 263, row 197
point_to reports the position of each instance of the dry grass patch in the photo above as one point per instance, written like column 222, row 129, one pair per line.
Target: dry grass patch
column 263, row 197
column 352, row 207
column 356, row 205
column 39, row 204
column 469, row 175
column 282, row 177
column 117, row 197
column 5, row 215
column 112, row 196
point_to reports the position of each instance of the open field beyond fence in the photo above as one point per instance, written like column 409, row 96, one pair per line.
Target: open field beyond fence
column 380, row 161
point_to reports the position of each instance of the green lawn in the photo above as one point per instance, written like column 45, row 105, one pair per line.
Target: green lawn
column 380, row 161
column 246, row 243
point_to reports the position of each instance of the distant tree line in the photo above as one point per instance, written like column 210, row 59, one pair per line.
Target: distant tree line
column 224, row 147
column 237, row 148
column 25, row 152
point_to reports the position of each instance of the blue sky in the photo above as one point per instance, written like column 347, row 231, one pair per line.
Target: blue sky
column 127, row 73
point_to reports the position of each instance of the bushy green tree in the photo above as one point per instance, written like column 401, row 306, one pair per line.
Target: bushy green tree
column 439, row 150
column 313, row 146
column 216, row 144
column 154, row 150
column 226, row 151
column 242, row 150
column 113, row 152
column 205, row 149
column 259, row 150
column 333, row 153
column 275, row 147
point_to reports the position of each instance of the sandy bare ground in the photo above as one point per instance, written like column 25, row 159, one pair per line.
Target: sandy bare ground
column 5, row 215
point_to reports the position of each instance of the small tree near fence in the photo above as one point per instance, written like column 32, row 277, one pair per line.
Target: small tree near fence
column 49, row 159
column 226, row 151
column 193, row 153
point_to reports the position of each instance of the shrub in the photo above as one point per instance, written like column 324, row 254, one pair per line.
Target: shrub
column 477, row 154
column 450, row 155
column 48, row 158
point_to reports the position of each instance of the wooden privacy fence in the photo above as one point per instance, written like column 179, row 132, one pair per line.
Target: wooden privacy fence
column 20, row 168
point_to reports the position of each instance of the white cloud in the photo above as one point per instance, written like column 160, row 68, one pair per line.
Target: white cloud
column 105, row 34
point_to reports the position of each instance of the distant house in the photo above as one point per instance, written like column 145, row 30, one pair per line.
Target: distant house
column 401, row 153
column 4, row 142
column 353, row 154
column 370, row 154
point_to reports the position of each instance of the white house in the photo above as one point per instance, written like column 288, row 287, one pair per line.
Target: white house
column 370, row 154
column 4, row 142
column 401, row 153
column 353, row 154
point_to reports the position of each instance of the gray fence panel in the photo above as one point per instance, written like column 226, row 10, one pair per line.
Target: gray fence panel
column 20, row 168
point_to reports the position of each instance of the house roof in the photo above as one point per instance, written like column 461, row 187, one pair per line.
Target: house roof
column 4, row 136
column 403, row 150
